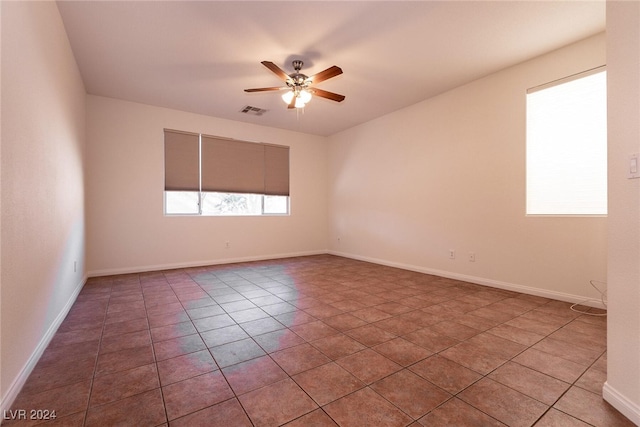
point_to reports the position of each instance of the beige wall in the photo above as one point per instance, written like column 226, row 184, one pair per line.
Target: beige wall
column 449, row 173
column 43, row 119
column 126, row 228
column 622, row 388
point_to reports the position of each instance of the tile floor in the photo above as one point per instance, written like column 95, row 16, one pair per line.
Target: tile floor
column 318, row 341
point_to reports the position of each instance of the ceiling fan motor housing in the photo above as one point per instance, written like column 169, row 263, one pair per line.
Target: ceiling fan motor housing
column 298, row 81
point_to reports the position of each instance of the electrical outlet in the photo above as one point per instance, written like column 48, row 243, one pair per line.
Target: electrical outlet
column 452, row 254
column 472, row 257
column 634, row 166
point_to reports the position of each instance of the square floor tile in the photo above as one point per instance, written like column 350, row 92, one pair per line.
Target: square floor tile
column 278, row 340
column 142, row 409
column 172, row 331
column 455, row 412
column 64, row 400
column 266, row 300
column 555, row 418
column 473, row 357
column 534, row 384
column 124, row 360
column 299, row 358
column 368, row 366
column 594, row 378
column 455, row 330
column 492, row 344
column 591, row 408
column 195, row 393
column 294, row 318
column 228, row 413
column 178, row 346
column 314, row 330
column 224, row 335
column 125, row 341
column 139, row 324
column 280, row 308
column 445, row 373
column 238, row 305
column 213, row 322
column 261, row 326
column 344, row 322
column 186, row 366
column 566, row 350
column 277, row 403
column 370, row 335
column 248, row 315
column 59, row 372
column 371, row 314
column 327, row 383
column 503, row 403
column 322, row 311
column 366, row 408
column 402, row 352
column 167, row 319
column 554, row 366
column 393, row 308
column 411, row 393
column 514, row 334
column 253, row 374
column 112, row 387
column 397, row 325
column 236, row 352
column 430, row 339
column 337, row 346
column 206, row 311
column 317, row 418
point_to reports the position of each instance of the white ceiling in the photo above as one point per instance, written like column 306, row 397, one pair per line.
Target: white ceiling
column 200, row 56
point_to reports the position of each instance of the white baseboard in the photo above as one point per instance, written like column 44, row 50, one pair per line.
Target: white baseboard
column 627, row 408
column 21, row 379
column 478, row 280
column 158, row 267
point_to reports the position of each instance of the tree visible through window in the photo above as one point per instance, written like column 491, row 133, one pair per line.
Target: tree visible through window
column 567, row 146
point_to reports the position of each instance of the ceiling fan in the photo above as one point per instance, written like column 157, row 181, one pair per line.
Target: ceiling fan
column 299, row 86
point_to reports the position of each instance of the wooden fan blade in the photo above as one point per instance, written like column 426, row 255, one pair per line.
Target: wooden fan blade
column 292, row 104
column 276, row 70
column 264, row 89
column 329, row 95
column 326, row 74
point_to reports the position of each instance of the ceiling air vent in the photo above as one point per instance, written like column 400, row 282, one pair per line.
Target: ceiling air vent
column 254, row 111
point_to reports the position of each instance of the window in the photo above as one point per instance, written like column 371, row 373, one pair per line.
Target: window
column 567, row 146
column 207, row 175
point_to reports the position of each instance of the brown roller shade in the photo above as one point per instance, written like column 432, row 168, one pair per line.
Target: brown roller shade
column 231, row 166
column 276, row 170
column 181, row 161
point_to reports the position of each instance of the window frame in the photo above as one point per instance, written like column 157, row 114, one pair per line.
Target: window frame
column 201, row 193
column 201, row 213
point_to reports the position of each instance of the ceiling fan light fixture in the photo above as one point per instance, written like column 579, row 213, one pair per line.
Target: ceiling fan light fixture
column 287, row 97
column 299, row 102
column 302, row 97
column 299, row 91
column 305, row 96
